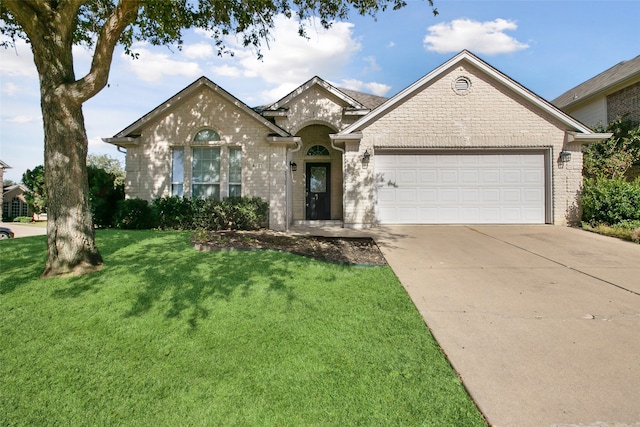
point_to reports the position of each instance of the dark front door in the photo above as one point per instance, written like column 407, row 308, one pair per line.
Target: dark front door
column 318, row 191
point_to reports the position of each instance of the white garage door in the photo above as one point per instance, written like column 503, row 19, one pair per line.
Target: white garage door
column 461, row 188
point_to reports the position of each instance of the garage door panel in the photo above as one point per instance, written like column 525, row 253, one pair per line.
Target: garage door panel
column 427, row 195
column 461, row 188
column 407, row 195
column 469, row 176
column 511, row 195
column 448, row 176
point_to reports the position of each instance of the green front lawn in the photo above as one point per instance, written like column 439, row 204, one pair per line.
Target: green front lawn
column 168, row 336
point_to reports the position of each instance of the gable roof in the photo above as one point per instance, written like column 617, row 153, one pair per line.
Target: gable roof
column 370, row 101
column 133, row 129
column 3, row 165
column 317, row 81
column 619, row 74
column 465, row 56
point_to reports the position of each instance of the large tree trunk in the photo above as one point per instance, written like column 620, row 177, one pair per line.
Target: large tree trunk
column 71, row 247
column 51, row 26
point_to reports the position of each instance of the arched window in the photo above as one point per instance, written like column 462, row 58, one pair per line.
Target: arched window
column 206, row 135
column 317, row 150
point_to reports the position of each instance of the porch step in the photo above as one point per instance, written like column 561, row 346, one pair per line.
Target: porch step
column 319, row 223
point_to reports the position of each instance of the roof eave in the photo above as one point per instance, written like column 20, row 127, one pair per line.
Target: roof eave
column 587, row 138
column 124, row 142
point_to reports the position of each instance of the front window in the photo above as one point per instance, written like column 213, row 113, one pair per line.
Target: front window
column 207, row 135
column 206, row 172
column 177, row 172
column 317, row 150
column 235, row 172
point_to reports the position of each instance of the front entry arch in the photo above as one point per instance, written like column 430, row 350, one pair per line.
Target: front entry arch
column 317, row 185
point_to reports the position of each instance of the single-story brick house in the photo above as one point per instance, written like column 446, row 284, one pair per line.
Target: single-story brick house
column 464, row 144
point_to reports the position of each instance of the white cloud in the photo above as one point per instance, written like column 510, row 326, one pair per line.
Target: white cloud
column 373, row 64
column 227, row 71
column 288, row 59
column 11, row 89
column 198, row 51
column 21, row 119
column 391, row 44
column 17, row 61
column 479, row 37
column 379, row 89
column 152, row 66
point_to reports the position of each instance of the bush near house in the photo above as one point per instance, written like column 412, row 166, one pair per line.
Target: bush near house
column 611, row 197
column 175, row 213
column 612, row 207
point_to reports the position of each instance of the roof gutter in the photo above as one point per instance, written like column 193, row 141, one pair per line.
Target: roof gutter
column 587, row 138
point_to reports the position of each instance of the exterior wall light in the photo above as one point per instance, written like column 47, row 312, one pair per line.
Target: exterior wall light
column 366, row 156
column 293, row 166
column 565, row 156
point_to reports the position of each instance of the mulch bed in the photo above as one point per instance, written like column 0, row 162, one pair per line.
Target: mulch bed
column 342, row 250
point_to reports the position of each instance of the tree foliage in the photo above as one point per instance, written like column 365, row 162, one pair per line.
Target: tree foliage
column 108, row 164
column 36, row 196
column 614, row 157
column 52, row 27
column 105, row 191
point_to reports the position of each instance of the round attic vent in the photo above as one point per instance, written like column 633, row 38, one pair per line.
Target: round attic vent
column 462, row 85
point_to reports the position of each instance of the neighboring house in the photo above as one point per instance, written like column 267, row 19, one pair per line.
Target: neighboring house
column 612, row 94
column 464, row 144
column 14, row 203
column 3, row 166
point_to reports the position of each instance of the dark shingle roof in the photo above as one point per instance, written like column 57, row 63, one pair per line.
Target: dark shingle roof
column 366, row 99
column 614, row 75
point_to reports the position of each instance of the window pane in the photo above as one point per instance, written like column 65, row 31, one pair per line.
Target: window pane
column 176, row 190
column 206, row 165
column 177, row 165
column 235, row 172
column 206, row 191
column 206, row 172
column 318, row 179
column 207, row 135
column 235, row 190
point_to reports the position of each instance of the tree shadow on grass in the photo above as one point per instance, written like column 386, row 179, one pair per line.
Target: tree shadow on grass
column 17, row 261
column 170, row 276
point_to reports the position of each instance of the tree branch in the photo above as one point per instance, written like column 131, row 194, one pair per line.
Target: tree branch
column 123, row 15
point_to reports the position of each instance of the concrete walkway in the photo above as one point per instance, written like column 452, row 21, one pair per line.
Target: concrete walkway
column 542, row 323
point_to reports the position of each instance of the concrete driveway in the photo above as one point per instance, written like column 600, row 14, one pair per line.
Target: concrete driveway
column 25, row 230
column 541, row 322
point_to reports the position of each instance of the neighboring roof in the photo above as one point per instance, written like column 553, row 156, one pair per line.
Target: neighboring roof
column 465, row 56
column 3, row 165
column 347, row 98
column 135, row 128
column 370, row 101
column 614, row 76
column 15, row 188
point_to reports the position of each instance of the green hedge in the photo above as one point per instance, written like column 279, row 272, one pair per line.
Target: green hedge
column 610, row 201
column 174, row 213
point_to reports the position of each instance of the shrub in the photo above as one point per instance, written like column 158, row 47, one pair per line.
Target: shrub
column 134, row 214
column 245, row 213
column 22, row 219
column 104, row 194
column 174, row 213
column 237, row 213
column 610, row 201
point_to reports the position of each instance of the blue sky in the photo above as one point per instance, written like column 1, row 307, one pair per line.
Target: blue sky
column 548, row 46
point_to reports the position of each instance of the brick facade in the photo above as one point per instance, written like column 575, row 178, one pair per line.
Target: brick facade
column 492, row 114
column 487, row 116
column 624, row 103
